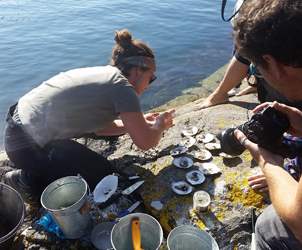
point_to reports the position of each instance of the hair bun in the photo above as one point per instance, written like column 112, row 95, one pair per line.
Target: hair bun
column 123, row 38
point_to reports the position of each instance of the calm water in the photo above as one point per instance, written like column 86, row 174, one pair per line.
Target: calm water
column 40, row 38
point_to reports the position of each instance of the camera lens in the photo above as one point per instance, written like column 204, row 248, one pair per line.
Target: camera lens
column 229, row 143
column 265, row 128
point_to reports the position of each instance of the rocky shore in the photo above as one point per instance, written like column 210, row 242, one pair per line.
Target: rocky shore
column 228, row 218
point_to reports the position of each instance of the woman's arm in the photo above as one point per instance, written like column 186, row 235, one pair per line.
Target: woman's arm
column 144, row 135
column 115, row 128
column 235, row 73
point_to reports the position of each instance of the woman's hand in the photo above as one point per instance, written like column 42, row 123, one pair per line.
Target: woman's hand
column 165, row 120
column 293, row 114
column 151, row 118
column 260, row 155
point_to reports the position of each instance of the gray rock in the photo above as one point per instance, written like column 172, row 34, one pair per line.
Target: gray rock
column 228, row 218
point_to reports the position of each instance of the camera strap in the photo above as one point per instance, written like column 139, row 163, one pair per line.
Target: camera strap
column 223, row 4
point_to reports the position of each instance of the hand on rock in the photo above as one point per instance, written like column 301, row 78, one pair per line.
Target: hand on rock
column 212, row 100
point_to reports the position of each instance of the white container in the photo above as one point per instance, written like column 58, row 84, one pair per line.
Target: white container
column 201, row 201
column 187, row 237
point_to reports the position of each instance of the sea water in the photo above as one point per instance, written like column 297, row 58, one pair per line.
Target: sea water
column 41, row 38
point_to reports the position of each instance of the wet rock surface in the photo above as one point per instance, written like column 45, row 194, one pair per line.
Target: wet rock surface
column 227, row 219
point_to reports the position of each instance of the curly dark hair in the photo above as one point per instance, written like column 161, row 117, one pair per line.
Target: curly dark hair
column 272, row 27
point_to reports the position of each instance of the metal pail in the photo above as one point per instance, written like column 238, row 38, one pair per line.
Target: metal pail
column 190, row 238
column 12, row 212
column 100, row 235
column 66, row 199
column 151, row 233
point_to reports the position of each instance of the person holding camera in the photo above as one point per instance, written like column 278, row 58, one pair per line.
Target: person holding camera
column 269, row 34
column 279, row 226
column 101, row 100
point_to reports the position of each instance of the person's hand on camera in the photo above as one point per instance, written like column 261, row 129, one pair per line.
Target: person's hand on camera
column 260, row 155
column 293, row 114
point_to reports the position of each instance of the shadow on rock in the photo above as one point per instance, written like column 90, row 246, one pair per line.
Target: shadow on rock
column 233, row 162
column 246, row 105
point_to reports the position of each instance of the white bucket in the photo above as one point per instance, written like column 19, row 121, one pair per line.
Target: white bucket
column 151, row 233
column 66, row 199
column 190, row 238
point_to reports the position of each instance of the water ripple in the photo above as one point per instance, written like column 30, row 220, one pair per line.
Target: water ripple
column 41, row 38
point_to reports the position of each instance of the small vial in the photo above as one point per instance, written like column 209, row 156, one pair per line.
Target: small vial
column 201, row 201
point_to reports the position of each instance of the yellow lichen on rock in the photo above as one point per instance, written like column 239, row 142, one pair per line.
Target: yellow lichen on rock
column 246, row 156
column 196, row 220
column 152, row 191
column 168, row 215
column 223, row 123
column 239, row 191
column 173, row 210
column 218, row 161
column 164, row 220
column 220, row 213
column 159, row 165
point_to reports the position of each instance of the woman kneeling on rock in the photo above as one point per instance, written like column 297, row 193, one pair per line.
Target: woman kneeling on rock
column 40, row 127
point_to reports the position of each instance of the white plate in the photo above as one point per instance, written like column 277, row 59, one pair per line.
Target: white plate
column 206, row 138
column 203, row 155
column 195, row 177
column 179, row 150
column 181, row 188
column 190, row 132
column 105, row 188
column 183, row 162
column 212, row 146
column 189, row 142
column 209, row 168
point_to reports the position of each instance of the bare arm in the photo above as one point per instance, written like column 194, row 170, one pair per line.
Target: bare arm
column 115, row 128
column 286, row 196
column 285, row 192
column 235, row 73
column 143, row 135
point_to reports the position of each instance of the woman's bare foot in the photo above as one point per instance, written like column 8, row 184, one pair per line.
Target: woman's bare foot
column 212, row 100
column 258, row 183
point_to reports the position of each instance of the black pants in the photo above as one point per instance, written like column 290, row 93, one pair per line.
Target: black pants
column 57, row 159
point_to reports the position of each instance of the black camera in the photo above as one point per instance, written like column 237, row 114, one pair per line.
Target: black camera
column 265, row 128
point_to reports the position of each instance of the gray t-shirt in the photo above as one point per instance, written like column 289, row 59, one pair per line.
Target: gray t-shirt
column 75, row 102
